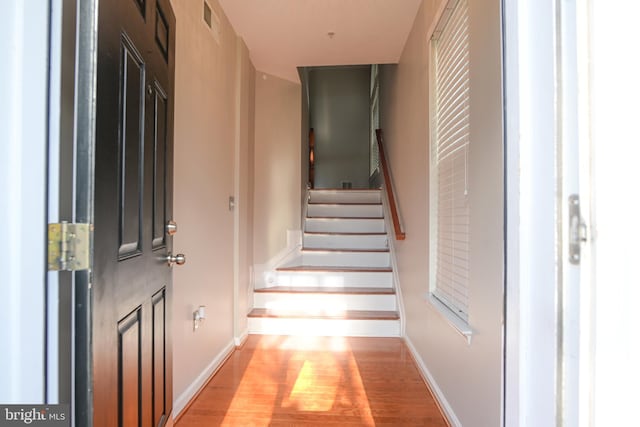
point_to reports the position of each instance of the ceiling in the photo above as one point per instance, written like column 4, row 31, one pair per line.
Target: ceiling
column 284, row 34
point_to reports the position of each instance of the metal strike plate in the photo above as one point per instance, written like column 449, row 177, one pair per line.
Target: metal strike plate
column 68, row 246
column 577, row 230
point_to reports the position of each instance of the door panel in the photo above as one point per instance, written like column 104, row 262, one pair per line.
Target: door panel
column 129, row 375
column 133, row 202
column 159, row 366
column 159, row 167
column 131, row 150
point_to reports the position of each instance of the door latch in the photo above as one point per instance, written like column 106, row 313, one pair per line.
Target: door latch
column 577, row 230
column 68, row 246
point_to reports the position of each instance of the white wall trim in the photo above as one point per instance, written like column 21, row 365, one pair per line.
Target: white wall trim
column 24, row 78
column 531, row 203
column 201, row 380
column 239, row 201
column 265, row 274
column 240, row 339
column 433, row 385
column 444, row 4
column 392, row 255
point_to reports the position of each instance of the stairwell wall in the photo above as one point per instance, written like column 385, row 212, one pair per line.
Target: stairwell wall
column 244, row 182
column 212, row 161
column 467, row 377
column 277, row 203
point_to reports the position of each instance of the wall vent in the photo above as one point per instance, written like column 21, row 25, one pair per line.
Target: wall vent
column 207, row 14
column 346, row 185
column 212, row 20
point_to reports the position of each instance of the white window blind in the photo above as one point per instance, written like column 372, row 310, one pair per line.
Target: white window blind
column 449, row 154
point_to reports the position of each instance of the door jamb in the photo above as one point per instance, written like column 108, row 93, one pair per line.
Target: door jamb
column 530, row 145
column 86, row 60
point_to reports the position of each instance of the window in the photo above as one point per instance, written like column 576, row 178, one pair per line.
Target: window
column 449, row 145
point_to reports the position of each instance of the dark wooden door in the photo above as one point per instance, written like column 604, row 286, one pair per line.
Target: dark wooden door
column 131, row 286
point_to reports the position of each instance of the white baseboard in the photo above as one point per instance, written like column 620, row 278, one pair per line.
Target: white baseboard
column 433, row 385
column 183, row 400
column 264, row 274
column 239, row 340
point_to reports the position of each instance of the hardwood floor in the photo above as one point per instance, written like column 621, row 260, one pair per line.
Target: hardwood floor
column 313, row 381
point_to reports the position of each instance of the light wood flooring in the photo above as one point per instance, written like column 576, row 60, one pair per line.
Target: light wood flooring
column 313, row 381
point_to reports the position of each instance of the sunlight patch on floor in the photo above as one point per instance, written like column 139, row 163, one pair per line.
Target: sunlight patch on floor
column 317, row 388
column 312, row 391
column 245, row 395
column 313, row 343
column 322, row 376
column 360, row 394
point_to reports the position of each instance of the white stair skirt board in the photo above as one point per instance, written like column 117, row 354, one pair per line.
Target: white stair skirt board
column 345, row 210
column 324, row 327
column 318, row 301
column 345, row 225
column 345, row 241
column 345, row 259
column 342, row 196
column 337, row 278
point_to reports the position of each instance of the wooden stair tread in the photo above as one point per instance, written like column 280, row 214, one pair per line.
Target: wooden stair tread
column 326, row 290
column 344, row 233
column 308, row 314
column 363, row 250
column 345, row 203
column 339, row 190
column 336, row 269
column 345, row 217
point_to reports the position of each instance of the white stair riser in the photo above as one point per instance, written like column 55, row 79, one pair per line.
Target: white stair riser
column 324, row 327
column 324, row 303
column 352, row 196
column 334, row 211
column 326, row 225
column 333, row 279
column 346, row 259
column 345, row 241
column 345, row 211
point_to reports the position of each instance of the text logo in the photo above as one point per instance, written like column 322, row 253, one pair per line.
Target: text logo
column 34, row 415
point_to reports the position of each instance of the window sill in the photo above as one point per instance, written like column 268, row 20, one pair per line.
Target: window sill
column 454, row 321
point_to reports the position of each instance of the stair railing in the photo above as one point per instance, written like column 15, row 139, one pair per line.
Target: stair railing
column 312, row 168
column 388, row 185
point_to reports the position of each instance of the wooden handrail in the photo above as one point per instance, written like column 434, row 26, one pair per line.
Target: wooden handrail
column 400, row 235
column 312, row 171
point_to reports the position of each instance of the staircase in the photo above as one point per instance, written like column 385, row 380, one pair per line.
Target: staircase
column 341, row 283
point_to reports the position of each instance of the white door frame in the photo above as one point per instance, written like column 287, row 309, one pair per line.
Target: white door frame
column 531, row 348
column 24, row 34
column 47, row 140
column 571, row 93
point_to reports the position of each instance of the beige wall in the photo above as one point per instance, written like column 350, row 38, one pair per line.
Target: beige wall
column 304, row 137
column 277, row 165
column 339, row 116
column 244, row 184
column 214, row 90
column 469, row 376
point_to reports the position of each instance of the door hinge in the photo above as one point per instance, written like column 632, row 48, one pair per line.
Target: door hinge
column 69, row 246
column 577, row 230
